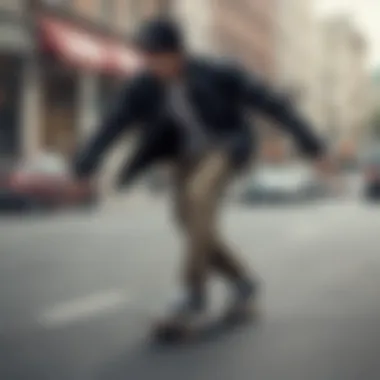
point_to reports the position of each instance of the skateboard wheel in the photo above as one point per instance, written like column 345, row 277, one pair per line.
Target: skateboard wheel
column 171, row 334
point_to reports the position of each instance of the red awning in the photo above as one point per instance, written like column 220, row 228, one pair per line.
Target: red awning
column 122, row 59
column 80, row 48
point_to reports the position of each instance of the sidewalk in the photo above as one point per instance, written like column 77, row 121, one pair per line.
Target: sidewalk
column 140, row 200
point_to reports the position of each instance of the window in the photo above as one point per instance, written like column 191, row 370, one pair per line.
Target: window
column 107, row 10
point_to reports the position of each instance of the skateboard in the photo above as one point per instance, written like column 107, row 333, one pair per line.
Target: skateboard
column 212, row 328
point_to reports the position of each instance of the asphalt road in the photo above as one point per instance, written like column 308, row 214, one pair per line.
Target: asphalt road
column 78, row 295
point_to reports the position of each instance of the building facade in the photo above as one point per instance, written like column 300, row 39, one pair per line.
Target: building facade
column 245, row 30
column 82, row 56
column 373, row 133
column 60, row 64
column 297, row 53
column 197, row 20
column 298, row 60
column 16, row 46
column 345, row 81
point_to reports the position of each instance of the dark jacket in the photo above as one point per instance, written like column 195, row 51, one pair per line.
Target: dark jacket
column 220, row 93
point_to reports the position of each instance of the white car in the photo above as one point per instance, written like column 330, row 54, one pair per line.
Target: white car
column 282, row 184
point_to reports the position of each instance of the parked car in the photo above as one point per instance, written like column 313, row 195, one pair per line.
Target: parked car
column 283, row 184
column 372, row 175
column 40, row 185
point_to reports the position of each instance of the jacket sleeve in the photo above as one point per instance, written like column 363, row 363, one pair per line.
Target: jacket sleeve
column 257, row 95
column 126, row 110
column 158, row 143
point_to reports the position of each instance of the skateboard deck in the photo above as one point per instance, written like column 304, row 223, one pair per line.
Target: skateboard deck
column 213, row 328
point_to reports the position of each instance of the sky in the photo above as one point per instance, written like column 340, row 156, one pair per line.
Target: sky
column 366, row 15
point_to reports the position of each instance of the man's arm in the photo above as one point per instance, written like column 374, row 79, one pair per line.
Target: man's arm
column 126, row 110
column 257, row 95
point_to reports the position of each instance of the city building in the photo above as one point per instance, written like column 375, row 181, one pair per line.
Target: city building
column 375, row 92
column 82, row 57
column 245, row 30
column 375, row 80
column 60, row 64
column 297, row 55
column 373, row 133
column 16, row 45
column 197, row 20
column 298, row 58
column 345, row 83
column 70, row 58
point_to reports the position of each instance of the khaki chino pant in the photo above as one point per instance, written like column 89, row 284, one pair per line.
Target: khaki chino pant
column 198, row 190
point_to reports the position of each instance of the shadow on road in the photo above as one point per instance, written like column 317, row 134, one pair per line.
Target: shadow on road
column 187, row 361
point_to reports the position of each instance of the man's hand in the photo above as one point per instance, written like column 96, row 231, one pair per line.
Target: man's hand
column 326, row 167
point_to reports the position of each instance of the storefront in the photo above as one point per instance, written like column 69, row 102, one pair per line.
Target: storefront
column 79, row 72
column 10, row 94
column 108, row 88
column 59, row 111
column 16, row 46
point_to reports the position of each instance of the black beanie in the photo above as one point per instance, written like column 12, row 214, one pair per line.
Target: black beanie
column 160, row 36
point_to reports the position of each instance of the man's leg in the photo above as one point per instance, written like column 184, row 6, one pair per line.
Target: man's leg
column 222, row 258
column 197, row 195
column 196, row 188
column 245, row 287
column 204, row 191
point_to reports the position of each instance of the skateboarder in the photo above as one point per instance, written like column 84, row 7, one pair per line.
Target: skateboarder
column 191, row 112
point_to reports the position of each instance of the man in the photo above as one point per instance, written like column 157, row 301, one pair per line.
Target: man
column 192, row 113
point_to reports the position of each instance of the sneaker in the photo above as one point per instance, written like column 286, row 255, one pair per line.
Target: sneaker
column 244, row 305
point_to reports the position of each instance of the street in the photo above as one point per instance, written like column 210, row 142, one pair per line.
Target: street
column 78, row 295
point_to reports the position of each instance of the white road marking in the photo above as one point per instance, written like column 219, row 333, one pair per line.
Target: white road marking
column 83, row 308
